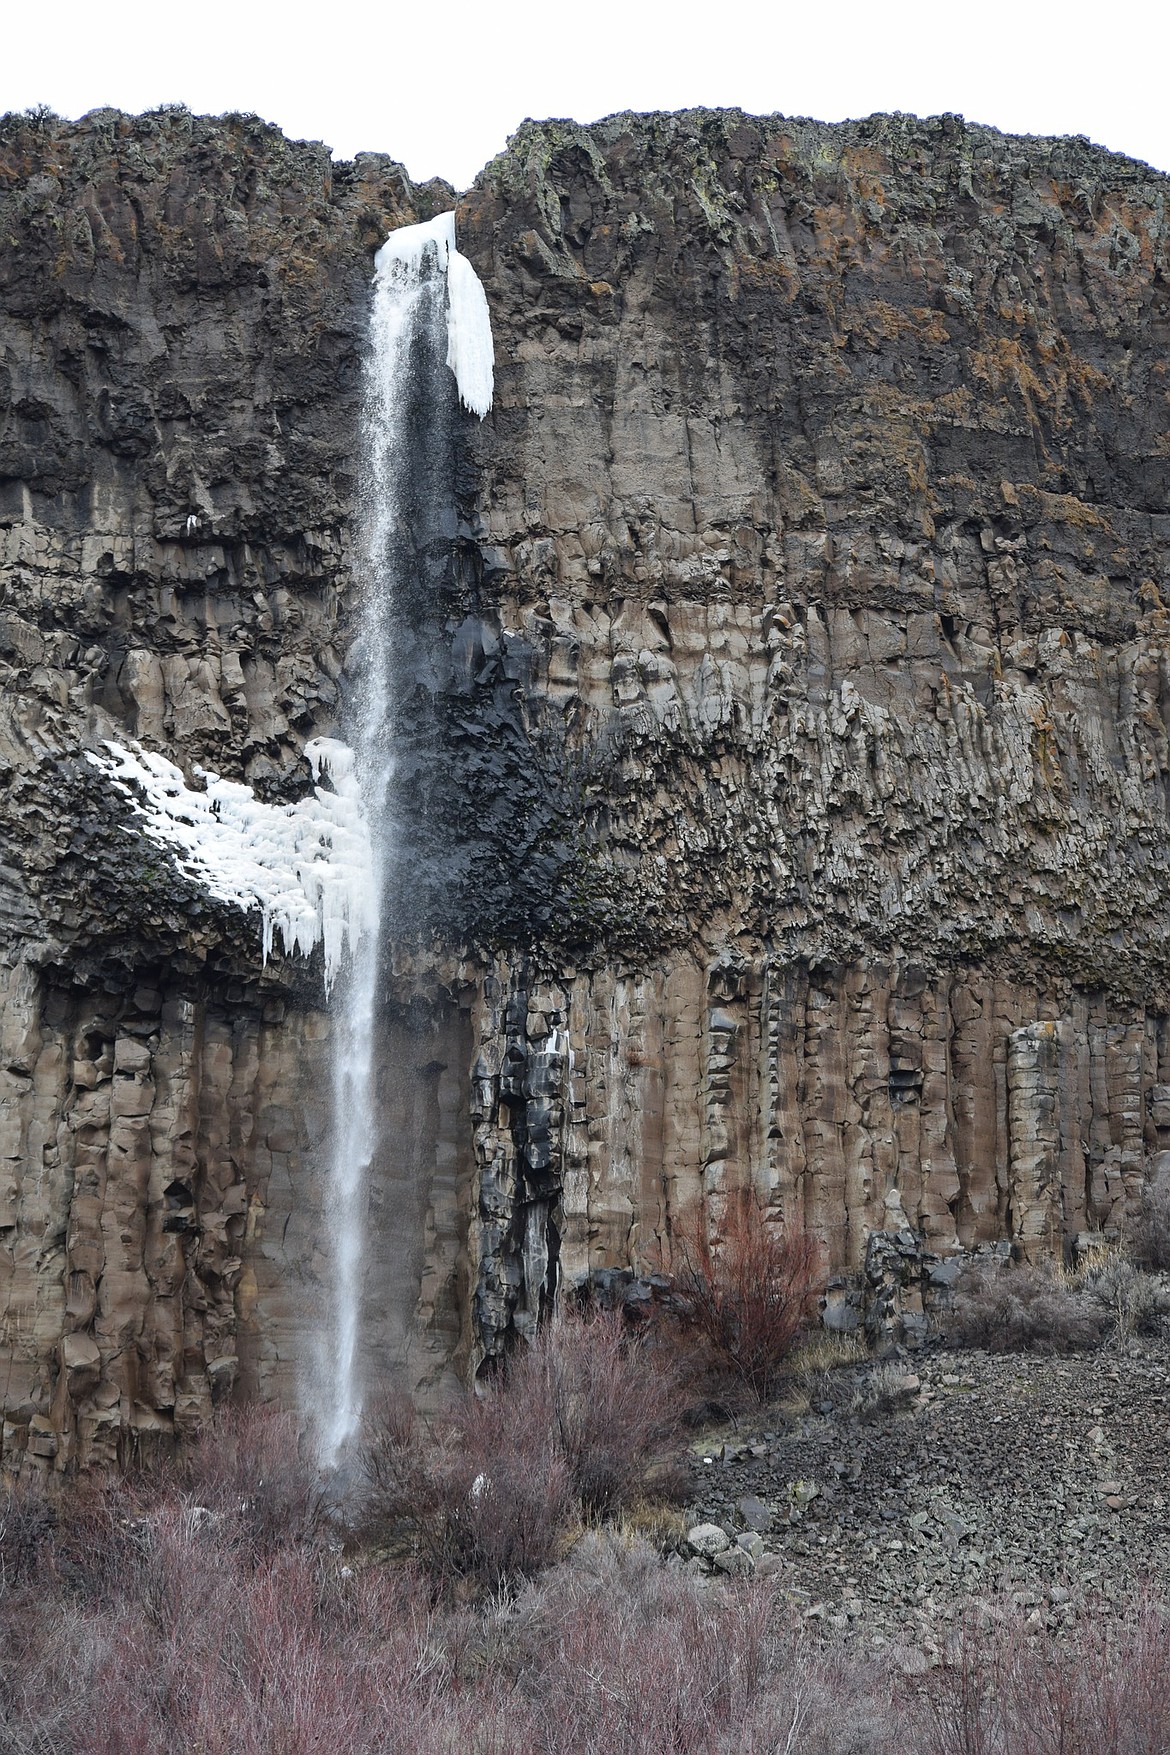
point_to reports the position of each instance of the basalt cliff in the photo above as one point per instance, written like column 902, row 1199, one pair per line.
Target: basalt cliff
column 783, row 721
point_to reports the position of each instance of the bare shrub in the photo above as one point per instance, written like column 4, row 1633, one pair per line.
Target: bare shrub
column 1133, row 1300
column 53, row 1655
column 572, row 1428
column 209, row 1648
column 1021, row 1308
column 483, row 1494
column 611, row 1406
column 27, row 1522
column 206, row 1645
column 401, row 1467
column 624, row 1655
column 252, row 1470
column 624, row 1644
column 1006, row 1693
column 746, row 1297
column 507, row 1493
column 97, row 1542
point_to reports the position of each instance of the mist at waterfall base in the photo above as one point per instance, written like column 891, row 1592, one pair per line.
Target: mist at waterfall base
column 427, row 301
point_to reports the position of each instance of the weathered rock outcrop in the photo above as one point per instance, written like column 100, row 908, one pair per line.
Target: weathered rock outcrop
column 785, row 709
column 831, row 465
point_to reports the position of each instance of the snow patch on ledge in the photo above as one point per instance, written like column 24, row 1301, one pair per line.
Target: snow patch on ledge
column 308, row 866
column 470, row 352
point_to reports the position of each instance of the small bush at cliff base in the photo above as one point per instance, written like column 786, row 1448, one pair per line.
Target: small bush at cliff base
column 477, row 1495
column 610, row 1405
column 1134, row 1302
column 1016, row 1308
column 255, row 1469
column 747, row 1296
column 27, row 1525
column 570, row 1429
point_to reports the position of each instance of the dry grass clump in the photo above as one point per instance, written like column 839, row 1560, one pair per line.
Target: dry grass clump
column 886, row 1388
column 663, row 1527
column 743, row 1299
column 823, row 1351
column 1016, row 1308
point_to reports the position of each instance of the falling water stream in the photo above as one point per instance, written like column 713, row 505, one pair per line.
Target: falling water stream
column 425, row 293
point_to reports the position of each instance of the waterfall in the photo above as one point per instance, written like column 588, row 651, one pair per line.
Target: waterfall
column 427, row 299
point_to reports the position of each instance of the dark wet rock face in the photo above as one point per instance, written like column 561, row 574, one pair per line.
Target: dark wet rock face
column 781, row 710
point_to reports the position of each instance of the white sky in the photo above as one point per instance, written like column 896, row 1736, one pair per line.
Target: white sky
column 442, row 86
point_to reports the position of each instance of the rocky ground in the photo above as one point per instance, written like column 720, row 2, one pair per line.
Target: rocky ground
column 904, row 1494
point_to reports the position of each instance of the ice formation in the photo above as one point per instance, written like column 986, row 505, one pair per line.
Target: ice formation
column 470, row 353
column 307, row 866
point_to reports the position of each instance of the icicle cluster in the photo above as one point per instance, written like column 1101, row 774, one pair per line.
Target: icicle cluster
column 307, row 866
column 470, row 353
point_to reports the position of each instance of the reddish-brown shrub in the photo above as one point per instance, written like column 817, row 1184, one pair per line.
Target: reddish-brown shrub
column 401, row 1490
column 747, row 1295
column 27, row 1522
column 611, row 1407
column 207, row 1646
column 484, row 1493
column 1017, row 1690
column 96, row 1548
column 571, row 1427
column 254, row 1470
column 624, row 1655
